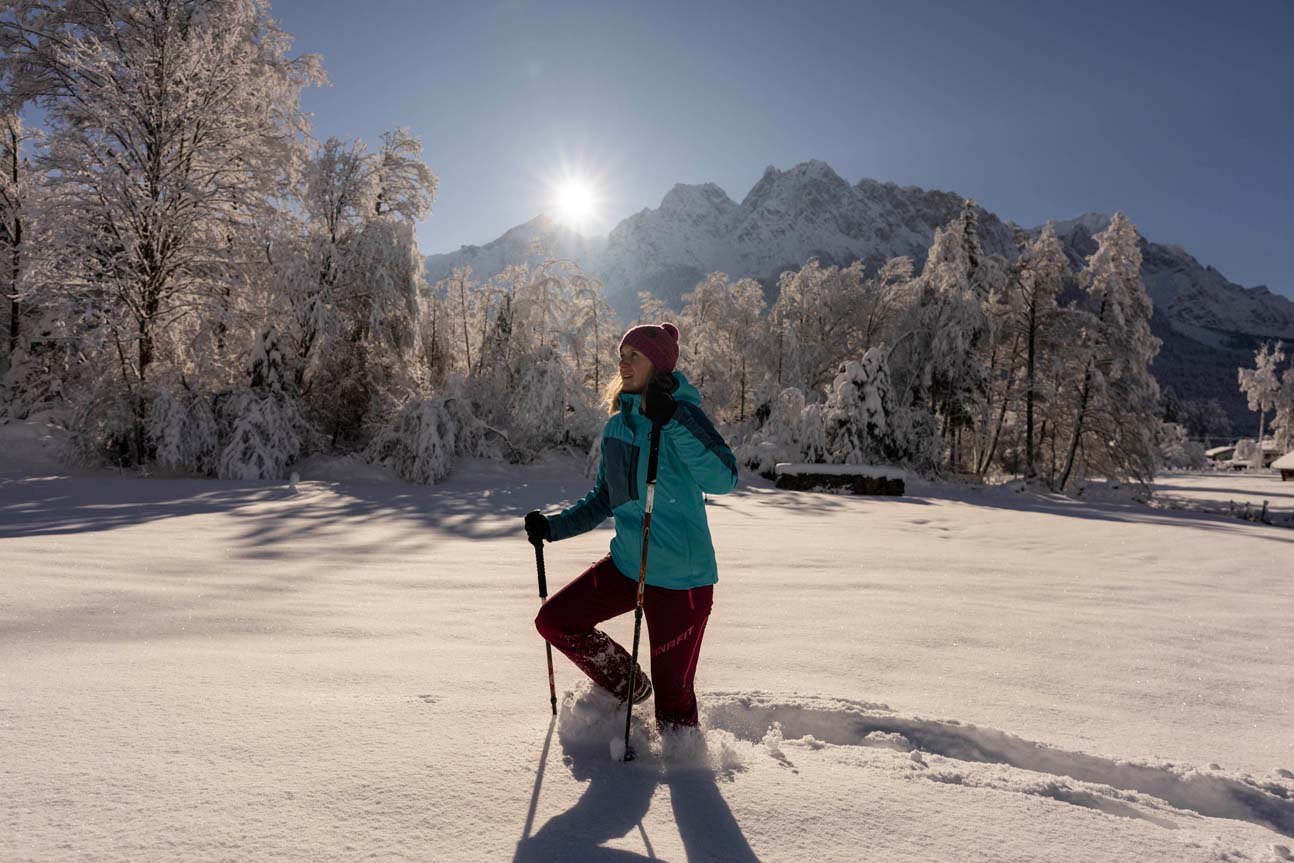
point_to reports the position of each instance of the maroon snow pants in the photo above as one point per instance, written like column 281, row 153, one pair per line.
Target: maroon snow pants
column 675, row 623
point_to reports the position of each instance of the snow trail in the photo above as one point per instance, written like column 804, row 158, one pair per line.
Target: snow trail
column 749, row 716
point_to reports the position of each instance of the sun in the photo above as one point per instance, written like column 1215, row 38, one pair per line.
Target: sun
column 575, row 201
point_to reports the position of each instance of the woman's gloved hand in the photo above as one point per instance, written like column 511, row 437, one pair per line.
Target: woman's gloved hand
column 658, row 404
column 536, row 527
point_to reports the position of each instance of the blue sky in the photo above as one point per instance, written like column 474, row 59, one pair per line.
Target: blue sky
column 1180, row 114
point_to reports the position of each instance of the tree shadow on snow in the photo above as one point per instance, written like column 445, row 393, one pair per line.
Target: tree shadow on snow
column 1125, row 512
column 613, row 805
column 63, row 505
column 69, row 505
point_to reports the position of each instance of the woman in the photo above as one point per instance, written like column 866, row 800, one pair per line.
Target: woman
column 681, row 570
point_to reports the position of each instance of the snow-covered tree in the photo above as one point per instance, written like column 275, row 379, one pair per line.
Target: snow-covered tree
column 1176, row 449
column 947, row 325
column 419, row 443
column 864, row 423
column 1114, row 424
column 1041, row 278
column 1262, row 383
column 818, row 319
column 182, row 427
column 859, row 409
column 266, row 431
column 723, row 323
column 422, row 439
column 351, row 293
column 594, row 329
column 1283, row 401
column 170, row 125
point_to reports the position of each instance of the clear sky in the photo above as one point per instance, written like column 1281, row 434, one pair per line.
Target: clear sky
column 1181, row 114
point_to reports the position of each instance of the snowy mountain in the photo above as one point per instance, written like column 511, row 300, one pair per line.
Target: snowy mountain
column 526, row 243
column 1209, row 325
column 1198, row 300
column 785, row 219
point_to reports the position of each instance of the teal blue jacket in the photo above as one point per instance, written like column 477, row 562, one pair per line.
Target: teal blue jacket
column 693, row 459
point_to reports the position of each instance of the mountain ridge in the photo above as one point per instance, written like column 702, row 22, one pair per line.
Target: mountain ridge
column 809, row 210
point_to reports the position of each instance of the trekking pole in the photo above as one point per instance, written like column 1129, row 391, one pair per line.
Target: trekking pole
column 543, row 597
column 642, row 583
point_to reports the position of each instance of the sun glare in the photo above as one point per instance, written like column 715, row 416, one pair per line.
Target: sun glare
column 575, row 201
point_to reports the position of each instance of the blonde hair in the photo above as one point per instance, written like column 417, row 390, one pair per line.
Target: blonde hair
column 616, row 387
column 611, row 392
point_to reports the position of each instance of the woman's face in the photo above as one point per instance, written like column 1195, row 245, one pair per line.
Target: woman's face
column 635, row 370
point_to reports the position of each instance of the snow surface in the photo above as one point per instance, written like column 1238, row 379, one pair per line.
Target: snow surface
column 874, row 471
column 1223, row 491
column 243, row 671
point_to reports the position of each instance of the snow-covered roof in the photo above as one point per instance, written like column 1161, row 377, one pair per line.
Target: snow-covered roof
column 1218, row 451
column 1285, row 462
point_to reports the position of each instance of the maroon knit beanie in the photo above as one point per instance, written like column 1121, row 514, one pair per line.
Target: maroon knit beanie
column 657, row 343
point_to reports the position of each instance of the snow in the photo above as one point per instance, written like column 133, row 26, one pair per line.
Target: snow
column 235, row 670
column 1223, row 492
column 881, row 472
column 1285, row 462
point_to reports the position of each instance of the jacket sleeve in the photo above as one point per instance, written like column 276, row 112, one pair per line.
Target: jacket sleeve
column 702, row 449
column 586, row 514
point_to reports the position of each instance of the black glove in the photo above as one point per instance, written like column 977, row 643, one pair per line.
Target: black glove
column 536, row 527
column 659, row 405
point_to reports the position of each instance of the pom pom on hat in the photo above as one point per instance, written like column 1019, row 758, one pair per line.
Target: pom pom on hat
column 657, row 342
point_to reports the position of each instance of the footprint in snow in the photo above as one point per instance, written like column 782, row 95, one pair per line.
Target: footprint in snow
column 1104, row 784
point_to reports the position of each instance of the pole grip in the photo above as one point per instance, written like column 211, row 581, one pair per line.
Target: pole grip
column 539, row 565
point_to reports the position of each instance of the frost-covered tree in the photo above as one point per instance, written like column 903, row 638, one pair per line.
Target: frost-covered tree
column 170, row 124
column 182, row 427
column 528, row 333
column 818, row 319
column 1114, row 424
column 858, row 410
column 1041, row 278
column 947, row 325
column 864, row 423
column 1022, row 342
column 420, row 442
column 266, row 431
column 1262, row 383
column 594, row 329
column 351, row 289
column 1283, row 402
column 883, row 299
column 725, row 335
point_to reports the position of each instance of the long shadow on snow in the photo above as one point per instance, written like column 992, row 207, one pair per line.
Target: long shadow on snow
column 1026, row 502
column 1277, row 494
column 841, row 723
column 67, row 505
column 62, row 505
column 614, row 803
column 1124, row 513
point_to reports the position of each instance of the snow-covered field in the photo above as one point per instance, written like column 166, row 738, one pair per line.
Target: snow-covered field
column 347, row 670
